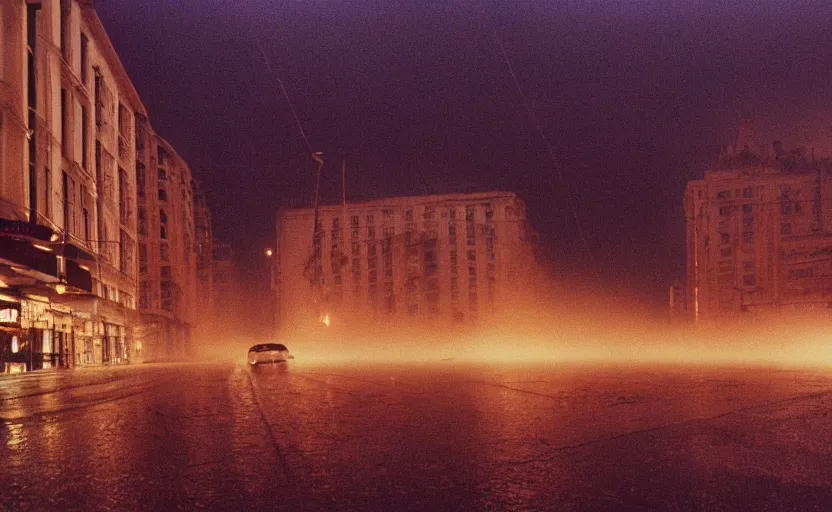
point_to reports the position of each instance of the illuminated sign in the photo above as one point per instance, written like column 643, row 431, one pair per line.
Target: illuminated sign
column 9, row 316
column 23, row 228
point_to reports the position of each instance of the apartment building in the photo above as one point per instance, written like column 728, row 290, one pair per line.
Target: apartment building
column 69, row 218
column 168, row 287
column 436, row 258
column 759, row 233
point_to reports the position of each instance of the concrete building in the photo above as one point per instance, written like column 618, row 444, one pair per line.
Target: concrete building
column 759, row 233
column 68, row 197
column 226, row 312
column 437, row 258
column 167, row 250
column 204, row 239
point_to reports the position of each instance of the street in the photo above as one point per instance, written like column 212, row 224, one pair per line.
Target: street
column 443, row 436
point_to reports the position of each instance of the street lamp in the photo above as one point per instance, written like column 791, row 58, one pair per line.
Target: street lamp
column 269, row 254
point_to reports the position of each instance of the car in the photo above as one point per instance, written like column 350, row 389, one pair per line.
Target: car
column 268, row 353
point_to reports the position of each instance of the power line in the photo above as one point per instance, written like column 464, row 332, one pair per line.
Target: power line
column 555, row 164
column 285, row 95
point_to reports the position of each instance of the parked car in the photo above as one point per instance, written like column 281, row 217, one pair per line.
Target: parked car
column 268, row 353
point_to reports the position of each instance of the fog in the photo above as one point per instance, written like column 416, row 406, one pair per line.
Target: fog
column 547, row 323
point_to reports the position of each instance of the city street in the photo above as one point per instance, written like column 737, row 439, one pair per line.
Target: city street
column 444, row 436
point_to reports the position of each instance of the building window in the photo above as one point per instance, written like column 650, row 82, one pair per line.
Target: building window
column 786, row 208
column 724, row 211
column 748, row 237
column 371, row 232
column 140, row 179
column 748, row 192
column 725, row 252
column 65, row 10
column 47, row 180
column 354, row 221
column 161, row 174
column 65, row 202
column 143, row 257
column 797, row 209
column 124, row 203
column 748, row 265
column 749, row 280
column 125, row 253
column 163, row 232
column 144, row 295
column 408, row 215
column 85, row 214
column 85, row 136
column 723, row 194
column 163, row 195
column 84, row 59
column 747, row 208
column 163, row 252
column 370, row 220
column 64, row 123
column 786, row 229
column 801, row 273
column 429, row 213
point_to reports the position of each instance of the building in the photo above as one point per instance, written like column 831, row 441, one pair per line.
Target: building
column 437, row 258
column 759, row 233
column 69, row 265
column 167, row 250
column 204, row 238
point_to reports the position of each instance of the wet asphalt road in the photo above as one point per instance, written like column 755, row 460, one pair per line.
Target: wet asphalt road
column 416, row 437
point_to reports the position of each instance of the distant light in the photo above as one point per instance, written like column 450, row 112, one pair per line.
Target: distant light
column 15, row 345
column 60, row 288
column 269, row 253
column 325, row 319
column 3, row 284
column 54, row 237
column 43, row 248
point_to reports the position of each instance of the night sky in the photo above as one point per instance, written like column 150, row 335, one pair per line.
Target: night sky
column 636, row 98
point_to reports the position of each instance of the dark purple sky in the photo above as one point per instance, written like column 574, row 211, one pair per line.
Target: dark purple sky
column 635, row 97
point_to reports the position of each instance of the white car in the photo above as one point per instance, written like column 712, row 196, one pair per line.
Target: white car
column 268, row 353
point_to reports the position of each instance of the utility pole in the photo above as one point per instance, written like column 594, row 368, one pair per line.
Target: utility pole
column 316, row 233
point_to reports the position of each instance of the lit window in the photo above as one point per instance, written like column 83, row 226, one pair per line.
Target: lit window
column 15, row 345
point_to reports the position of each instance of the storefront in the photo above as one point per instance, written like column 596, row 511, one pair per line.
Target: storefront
column 13, row 348
column 84, row 352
